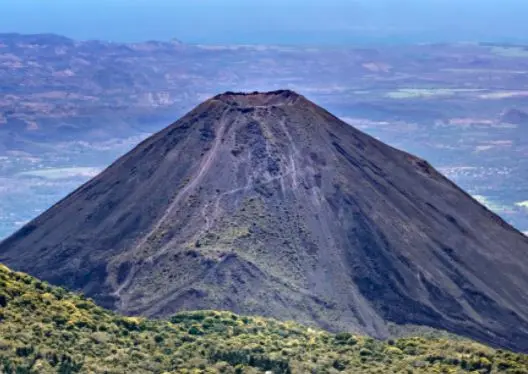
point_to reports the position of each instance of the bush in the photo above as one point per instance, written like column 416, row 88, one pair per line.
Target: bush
column 3, row 300
column 25, row 351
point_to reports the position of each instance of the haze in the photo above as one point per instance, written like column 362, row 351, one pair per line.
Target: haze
column 272, row 22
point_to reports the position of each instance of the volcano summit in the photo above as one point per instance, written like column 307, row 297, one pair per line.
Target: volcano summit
column 267, row 204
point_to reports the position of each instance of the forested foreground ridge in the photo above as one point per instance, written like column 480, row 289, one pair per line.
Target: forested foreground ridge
column 46, row 329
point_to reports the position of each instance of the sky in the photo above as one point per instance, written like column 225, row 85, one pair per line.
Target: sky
column 271, row 21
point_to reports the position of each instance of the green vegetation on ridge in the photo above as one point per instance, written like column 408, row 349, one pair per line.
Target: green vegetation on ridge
column 45, row 329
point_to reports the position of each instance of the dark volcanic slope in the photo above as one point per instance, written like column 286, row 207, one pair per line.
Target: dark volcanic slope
column 267, row 204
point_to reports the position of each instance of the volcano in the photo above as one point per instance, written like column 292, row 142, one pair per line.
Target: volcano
column 266, row 204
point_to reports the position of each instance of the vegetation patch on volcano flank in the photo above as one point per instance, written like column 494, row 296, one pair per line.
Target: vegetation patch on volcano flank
column 45, row 329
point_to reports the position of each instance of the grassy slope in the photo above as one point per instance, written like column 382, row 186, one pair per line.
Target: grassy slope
column 46, row 329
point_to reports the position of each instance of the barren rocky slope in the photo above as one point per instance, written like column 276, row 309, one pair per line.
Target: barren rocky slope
column 267, row 204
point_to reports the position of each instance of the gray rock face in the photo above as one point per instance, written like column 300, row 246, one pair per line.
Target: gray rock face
column 266, row 204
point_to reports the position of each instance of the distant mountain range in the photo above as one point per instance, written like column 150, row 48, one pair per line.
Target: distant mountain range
column 56, row 88
column 267, row 204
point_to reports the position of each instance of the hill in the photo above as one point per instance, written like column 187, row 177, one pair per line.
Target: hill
column 514, row 116
column 46, row 329
column 266, row 204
